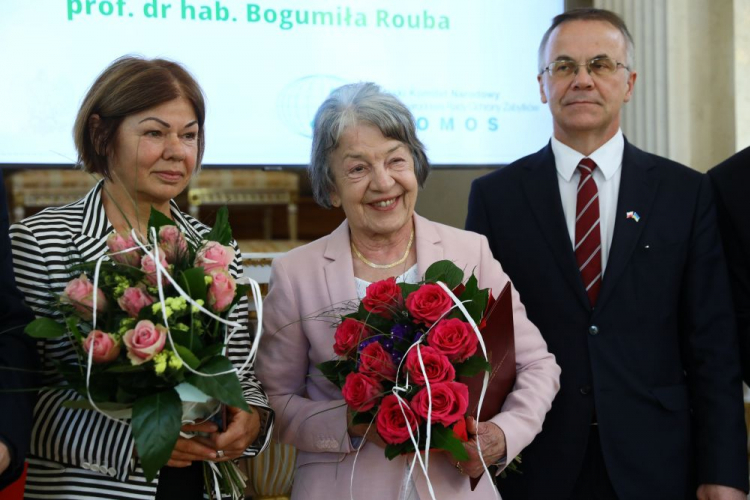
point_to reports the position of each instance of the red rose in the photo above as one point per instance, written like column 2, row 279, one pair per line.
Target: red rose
column 391, row 424
column 377, row 362
column 428, row 303
column 361, row 392
column 454, row 338
column 383, row 298
column 436, row 365
column 348, row 336
column 450, row 400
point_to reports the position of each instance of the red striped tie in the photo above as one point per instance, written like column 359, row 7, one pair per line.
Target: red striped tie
column 588, row 247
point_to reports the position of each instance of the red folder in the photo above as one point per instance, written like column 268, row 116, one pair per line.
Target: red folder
column 501, row 350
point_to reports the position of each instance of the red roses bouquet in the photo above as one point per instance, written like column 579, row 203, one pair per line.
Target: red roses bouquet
column 400, row 355
column 149, row 332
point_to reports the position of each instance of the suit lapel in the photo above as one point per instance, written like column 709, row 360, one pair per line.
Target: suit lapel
column 542, row 190
column 91, row 241
column 427, row 240
column 638, row 185
column 339, row 270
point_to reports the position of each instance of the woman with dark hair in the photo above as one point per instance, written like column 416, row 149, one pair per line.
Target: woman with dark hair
column 367, row 160
column 141, row 127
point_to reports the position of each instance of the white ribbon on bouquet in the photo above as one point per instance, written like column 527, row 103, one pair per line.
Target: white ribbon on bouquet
column 397, row 389
column 162, row 271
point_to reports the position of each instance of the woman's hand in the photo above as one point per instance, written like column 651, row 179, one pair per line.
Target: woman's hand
column 186, row 451
column 242, row 431
column 491, row 441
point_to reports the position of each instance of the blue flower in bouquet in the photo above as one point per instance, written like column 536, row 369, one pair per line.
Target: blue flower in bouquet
column 402, row 332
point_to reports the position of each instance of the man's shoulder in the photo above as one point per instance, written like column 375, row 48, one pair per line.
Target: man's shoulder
column 736, row 168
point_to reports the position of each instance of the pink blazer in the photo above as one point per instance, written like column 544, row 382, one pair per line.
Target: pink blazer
column 310, row 412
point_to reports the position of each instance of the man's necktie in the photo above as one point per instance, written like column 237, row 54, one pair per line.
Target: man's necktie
column 588, row 247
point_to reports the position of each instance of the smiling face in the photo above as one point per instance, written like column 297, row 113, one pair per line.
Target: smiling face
column 374, row 182
column 155, row 153
column 583, row 104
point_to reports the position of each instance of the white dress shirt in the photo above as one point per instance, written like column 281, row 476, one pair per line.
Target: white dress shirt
column 608, row 159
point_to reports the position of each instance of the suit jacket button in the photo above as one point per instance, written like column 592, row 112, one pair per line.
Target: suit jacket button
column 585, row 390
column 593, row 330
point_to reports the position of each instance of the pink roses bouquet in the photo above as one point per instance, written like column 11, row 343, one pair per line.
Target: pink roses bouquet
column 140, row 348
column 401, row 355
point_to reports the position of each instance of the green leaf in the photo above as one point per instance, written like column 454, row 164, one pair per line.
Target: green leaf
column 394, row 450
column 407, row 288
column 187, row 356
column 445, row 271
column 336, row 370
column 221, row 231
column 471, row 288
column 156, row 426
column 157, row 219
column 445, row 439
column 472, row 366
column 45, row 328
column 189, row 340
column 475, row 308
column 72, row 323
column 193, row 281
column 209, row 352
column 127, row 368
column 226, row 388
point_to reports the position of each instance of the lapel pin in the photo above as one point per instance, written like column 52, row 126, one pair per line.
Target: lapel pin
column 633, row 215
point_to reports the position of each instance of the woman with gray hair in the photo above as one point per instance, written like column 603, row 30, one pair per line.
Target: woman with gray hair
column 368, row 161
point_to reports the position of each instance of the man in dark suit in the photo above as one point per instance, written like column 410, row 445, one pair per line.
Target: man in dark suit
column 616, row 256
column 731, row 182
column 16, row 351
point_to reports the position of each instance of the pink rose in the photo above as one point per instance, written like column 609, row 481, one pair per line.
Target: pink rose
column 145, row 341
column 383, row 298
column 377, row 362
column 349, row 334
column 149, row 267
column 454, row 338
column 391, row 424
column 134, row 299
column 173, row 242
column 117, row 243
column 213, row 255
column 106, row 347
column 436, row 365
column 361, row 392
column 428, row 303
column 221, row 291
column 79, row 293
column 450, row 400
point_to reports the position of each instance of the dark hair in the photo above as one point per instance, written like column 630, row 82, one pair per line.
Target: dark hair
column 129, row 85
column 588, row 14
column 349, row 105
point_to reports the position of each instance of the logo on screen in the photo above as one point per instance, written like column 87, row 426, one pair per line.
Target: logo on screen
column 300, row 99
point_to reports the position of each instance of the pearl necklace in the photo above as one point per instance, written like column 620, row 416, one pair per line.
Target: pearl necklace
column 385, row 266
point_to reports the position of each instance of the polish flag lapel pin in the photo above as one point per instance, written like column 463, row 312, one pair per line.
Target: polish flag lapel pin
column 633, row 215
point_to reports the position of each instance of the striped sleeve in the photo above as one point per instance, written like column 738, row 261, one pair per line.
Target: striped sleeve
column 237, row 351
column 42, row 256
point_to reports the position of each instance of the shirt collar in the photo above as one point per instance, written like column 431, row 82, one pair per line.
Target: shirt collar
column 608, row 157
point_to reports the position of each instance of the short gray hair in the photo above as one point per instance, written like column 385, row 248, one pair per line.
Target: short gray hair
column 588, row 14
column 349, row 105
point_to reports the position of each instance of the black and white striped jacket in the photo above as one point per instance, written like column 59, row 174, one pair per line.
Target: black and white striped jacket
column 81, row 454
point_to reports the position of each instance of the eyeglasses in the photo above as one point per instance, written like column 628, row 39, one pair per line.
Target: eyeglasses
column 599, row 66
